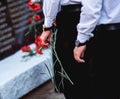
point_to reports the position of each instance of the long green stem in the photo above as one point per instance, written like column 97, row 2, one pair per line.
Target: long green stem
column 55, row 53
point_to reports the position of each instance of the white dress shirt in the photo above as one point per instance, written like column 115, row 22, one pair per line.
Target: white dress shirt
column 52, row 7
column 93, row 12
column 96, row 12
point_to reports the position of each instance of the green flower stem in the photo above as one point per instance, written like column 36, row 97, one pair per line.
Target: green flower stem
column 55, row 53
column 62, row 69
column 53, row 80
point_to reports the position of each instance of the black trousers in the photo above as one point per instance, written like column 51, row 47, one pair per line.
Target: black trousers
column 107, row 63
column 80, row 74
column 98, row 78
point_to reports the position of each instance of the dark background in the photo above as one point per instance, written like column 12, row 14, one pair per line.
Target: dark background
column 14, row 25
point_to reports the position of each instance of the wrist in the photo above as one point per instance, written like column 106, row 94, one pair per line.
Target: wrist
column 78, row 43
column 47, row 28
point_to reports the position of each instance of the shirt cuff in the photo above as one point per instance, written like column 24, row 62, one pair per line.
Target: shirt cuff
column 35, row 1
column 83, row 38
column 48, row 22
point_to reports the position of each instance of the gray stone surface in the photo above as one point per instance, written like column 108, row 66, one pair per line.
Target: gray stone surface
column 56, row 96
column 19, row 76
column 44, row 91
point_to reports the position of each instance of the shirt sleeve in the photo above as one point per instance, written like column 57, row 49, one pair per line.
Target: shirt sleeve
column 50, row 10
column 35, row 0
column 90, row 14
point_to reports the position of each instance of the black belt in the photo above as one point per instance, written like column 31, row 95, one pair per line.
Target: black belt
column 71, row 8
column 114, row 26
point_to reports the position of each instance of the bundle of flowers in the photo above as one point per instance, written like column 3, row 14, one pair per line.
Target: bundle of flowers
column 34, row 7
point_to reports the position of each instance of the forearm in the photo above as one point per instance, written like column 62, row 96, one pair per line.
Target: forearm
column 50, row 10
column 90, row 14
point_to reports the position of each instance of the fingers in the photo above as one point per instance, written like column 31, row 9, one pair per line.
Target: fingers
column 79, row 54
column 78, row 58
column 46, row 37
column 47, row 41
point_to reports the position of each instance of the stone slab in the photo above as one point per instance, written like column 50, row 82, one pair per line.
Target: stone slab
column 19, row 76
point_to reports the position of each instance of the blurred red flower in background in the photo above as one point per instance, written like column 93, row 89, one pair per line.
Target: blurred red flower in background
column 30, row 20
column 34, row 6
column 37, row 17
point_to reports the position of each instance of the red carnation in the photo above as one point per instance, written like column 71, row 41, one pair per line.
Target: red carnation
column 38, row 42
column 39, row 50
column 37, row 17
column 34, row 6
column 30, row 20
column 26, row 49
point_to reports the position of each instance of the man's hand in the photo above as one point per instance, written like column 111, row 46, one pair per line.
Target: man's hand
column 46, row 37
column 79, row 53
